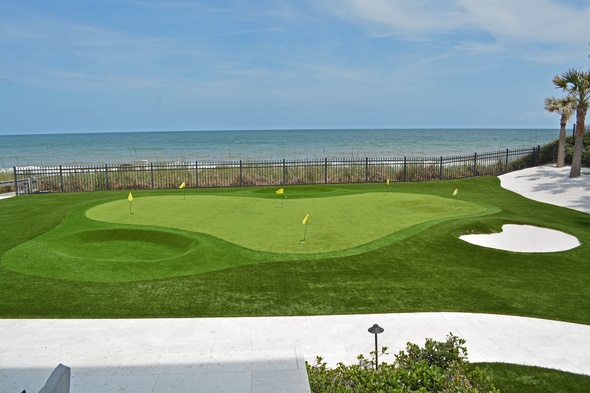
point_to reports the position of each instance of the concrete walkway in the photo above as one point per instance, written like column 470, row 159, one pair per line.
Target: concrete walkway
column 7, row 195
column 264, row 354
column 267, row 354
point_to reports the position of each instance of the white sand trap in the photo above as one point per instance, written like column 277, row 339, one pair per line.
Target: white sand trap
column 552, row 185
column 525, row 238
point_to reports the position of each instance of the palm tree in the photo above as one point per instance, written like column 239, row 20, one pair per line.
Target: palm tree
column 565, row 108
column 576, row 83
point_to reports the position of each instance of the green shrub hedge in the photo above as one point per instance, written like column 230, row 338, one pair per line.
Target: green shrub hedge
column 548, row 152
column 439, row 366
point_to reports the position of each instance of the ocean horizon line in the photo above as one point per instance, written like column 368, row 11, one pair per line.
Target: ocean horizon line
column 278, row 130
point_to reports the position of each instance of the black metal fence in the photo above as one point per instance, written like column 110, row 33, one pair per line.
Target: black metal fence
column 268, row 173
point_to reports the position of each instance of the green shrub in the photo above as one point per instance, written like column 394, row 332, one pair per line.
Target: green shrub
column 548, row 153
column 569, row 150
column 436, row 367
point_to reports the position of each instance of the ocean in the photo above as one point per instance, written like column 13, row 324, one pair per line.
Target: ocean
column 208, row 146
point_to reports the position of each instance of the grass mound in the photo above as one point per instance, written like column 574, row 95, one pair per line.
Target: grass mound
column 122, row 245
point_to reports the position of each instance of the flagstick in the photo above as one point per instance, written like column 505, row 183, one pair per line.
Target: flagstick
column 130, row 198
column 184, row 194
column 282, row 201
column 304, row 233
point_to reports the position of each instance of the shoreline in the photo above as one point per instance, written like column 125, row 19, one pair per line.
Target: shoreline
column 190, row 146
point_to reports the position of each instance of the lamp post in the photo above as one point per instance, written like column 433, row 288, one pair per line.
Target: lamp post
column 376, row 329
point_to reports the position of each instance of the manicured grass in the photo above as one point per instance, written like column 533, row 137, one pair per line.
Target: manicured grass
column 348, row 224
column 175, row 272
column 512, row 378
column 335, row 224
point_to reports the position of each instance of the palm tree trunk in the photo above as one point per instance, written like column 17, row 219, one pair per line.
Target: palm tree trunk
column 578, row 144
column 561, row 145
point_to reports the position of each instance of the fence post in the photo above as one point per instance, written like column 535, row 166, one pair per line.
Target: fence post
column 284, row 172
column 366, row 169
column 241, row 183
column 440, row 174
column 106, row 177
column 475, row 164
column 405, row 169
column 15, row 181
column 506, row 170
column 61, row 179
column 538, row 155
column 152, row 173
column 326, row 170
column 196, row 174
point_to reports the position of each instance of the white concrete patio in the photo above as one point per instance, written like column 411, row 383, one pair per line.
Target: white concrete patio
column 258, row 355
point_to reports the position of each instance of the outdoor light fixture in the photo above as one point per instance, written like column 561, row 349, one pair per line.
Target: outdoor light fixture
column 376, row 329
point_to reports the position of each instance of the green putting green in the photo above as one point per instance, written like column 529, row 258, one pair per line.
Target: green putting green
column 169, row 236
column 335, row 223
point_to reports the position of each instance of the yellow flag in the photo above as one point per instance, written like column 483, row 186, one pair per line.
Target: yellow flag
column 456, row 192
column 306, row 219
column 280, row 191
column 130, row 197
column 182, row 185
column 387, row 181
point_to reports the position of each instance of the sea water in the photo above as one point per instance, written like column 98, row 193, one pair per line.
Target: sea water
column 209, row 146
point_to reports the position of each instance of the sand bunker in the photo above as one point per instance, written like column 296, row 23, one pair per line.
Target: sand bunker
column 525, row 238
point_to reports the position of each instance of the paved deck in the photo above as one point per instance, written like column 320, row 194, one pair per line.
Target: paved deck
column 258, row 355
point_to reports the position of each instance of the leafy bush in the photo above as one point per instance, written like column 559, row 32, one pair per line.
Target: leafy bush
column 569, row 150
column 548, row 152
column 437, row 367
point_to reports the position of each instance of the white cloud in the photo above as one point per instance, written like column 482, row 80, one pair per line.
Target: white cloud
column 535, row 21
column 522, row 21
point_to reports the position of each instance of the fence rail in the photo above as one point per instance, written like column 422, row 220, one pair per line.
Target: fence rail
column 240, row 173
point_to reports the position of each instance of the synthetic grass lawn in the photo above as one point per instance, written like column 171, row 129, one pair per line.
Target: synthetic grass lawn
column 512, row 378
column 335, row 223
column 339, row 223
column 426, row 269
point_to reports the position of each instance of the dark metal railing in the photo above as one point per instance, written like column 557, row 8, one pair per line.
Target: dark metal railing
column 240, row 173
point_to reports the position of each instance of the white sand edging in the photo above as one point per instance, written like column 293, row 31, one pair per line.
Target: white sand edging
column 547, row 184
column 552, row 185
column 524, row 238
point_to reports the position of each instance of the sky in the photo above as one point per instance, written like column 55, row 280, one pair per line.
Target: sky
column 154, row 65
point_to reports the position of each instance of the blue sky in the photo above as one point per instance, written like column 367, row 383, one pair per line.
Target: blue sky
column 144, row 65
